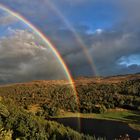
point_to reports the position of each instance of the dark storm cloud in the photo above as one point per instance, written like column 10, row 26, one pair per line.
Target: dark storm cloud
column 105, row 49
column 111, row 47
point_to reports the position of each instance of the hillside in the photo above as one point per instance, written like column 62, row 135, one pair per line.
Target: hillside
column 35, row 102
column 95, row 94
column 110, row 79
column 17, row 124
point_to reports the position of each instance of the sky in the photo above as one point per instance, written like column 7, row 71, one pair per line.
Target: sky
column 94, row 37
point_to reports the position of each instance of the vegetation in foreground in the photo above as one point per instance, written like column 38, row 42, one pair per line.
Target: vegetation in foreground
column 17, row 124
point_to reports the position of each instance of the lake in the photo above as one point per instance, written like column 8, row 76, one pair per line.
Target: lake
column 102, row 128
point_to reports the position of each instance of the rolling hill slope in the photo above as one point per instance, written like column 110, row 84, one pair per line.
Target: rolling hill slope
column 93, row 93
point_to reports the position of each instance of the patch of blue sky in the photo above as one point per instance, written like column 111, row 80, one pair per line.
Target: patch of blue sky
column 133, row 59
column 5, row 30
column 96, row 15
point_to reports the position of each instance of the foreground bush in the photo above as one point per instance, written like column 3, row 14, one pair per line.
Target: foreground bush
column 18, row 124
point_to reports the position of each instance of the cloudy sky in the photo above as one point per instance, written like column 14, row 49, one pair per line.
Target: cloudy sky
column 94, row 37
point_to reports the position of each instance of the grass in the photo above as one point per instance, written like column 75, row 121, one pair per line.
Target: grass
column 132, row 118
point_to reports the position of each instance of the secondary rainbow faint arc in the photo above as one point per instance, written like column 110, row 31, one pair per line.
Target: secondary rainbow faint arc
column 76, row 35
column 46, row 40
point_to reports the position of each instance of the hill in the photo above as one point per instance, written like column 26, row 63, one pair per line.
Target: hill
column 110, row 79
column 95, row 94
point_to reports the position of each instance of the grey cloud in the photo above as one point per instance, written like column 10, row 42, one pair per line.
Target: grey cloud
column 71, row 51
column 106, row 49
column 7, row 19
column 23, row 58
column 110, row 47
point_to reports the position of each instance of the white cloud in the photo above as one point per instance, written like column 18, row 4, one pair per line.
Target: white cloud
column 99, row 31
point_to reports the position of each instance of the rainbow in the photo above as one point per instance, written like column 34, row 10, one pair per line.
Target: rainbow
column 46, row 40
column 81, row 43
column 52, row 47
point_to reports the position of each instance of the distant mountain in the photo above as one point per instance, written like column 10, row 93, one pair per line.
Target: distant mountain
column 110, row 79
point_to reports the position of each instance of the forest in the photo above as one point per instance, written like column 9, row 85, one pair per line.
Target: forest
column 92, row 97
column 18, row 124
column 25, row 108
